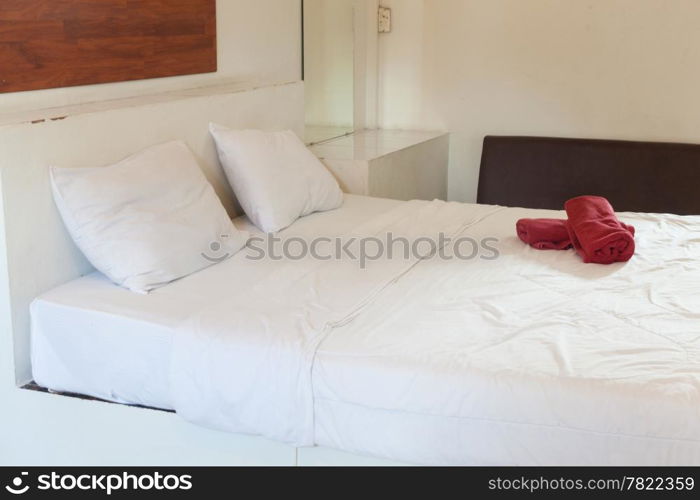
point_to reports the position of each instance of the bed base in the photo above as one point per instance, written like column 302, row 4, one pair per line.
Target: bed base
column 53, row 429
column 33, row 386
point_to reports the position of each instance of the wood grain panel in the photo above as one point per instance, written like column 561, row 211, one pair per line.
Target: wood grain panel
column 63, row 43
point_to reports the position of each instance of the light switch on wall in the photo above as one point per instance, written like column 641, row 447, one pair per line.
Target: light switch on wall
column 384, row 20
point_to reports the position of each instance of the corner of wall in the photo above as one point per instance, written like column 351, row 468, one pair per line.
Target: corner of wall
column 7, row 372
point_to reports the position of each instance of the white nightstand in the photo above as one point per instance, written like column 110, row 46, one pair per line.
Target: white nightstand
column 398, row 164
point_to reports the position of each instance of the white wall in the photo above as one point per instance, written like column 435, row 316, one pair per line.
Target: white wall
column 625, row 69
column 259, row 41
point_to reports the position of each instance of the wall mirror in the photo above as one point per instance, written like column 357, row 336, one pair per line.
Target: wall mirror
column 329, row 62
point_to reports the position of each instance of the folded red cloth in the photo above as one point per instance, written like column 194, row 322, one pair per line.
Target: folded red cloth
column 544, row 234
column 596, row 233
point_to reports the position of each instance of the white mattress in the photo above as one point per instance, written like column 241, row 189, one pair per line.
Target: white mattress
column 91, row 337
column 532, row 359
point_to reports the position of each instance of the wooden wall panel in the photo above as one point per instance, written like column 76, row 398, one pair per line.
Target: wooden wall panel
column 62, row 43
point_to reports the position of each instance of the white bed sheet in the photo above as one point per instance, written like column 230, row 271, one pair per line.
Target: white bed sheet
column 91, row 337
column 532, row 359
column 244, row 364
column 537, row 359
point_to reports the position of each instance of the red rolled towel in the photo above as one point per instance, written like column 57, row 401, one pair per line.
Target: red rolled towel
column 596, row 233
column 544, row 234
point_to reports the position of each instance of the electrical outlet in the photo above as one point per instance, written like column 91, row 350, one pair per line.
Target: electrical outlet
column 384, row 20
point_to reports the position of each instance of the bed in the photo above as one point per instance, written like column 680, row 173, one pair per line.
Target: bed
column 532, row 358
column 92, row 338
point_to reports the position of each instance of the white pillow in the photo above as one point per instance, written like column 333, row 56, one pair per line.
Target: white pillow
column 275, row 177
column 147, row 220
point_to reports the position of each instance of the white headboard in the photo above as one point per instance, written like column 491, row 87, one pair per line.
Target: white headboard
column 36, row 253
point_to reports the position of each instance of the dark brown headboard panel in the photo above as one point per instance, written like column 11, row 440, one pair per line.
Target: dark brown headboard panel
column 544, row 172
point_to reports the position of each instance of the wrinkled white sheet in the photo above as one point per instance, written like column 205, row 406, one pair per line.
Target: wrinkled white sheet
column 244, row 363
column 532, row 359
